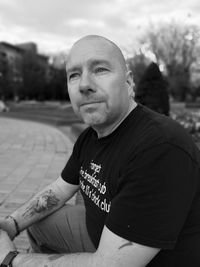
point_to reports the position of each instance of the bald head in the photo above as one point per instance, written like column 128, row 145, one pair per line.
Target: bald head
column 99, row 84
column 100, row 40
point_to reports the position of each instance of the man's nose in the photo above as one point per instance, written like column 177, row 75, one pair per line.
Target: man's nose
column 86, row 85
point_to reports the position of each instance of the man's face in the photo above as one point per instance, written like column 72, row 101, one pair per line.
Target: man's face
column 97, row 83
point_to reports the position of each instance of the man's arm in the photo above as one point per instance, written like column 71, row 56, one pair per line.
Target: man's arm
column 50, row 199
column 113, row 251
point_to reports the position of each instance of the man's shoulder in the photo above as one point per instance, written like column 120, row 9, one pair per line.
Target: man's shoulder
column 163, row 125
column 154, row 129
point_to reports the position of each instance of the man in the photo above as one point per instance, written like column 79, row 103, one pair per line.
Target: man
column 138, row 172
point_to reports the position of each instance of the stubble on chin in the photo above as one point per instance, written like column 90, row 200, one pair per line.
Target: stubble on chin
column 92, row 115
column 94, row 118
column 91, row 119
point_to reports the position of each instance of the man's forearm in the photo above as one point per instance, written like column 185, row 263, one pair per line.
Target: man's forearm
column 62, row 260
column 37, row 208
column 41, row 205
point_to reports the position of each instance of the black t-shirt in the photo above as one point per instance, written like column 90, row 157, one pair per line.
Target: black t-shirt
column 142, row 182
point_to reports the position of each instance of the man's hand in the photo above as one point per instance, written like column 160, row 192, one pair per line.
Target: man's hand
column 6, row 245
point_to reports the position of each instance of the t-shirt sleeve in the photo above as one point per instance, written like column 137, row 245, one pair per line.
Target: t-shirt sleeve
column 154, row 197
column 70, row 173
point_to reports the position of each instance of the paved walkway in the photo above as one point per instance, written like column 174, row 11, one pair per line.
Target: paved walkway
column 31, row 156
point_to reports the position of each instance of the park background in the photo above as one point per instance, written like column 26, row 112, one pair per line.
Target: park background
column 160, row 40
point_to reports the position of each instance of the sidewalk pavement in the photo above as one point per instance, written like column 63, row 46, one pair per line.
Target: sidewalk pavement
column 32, row 155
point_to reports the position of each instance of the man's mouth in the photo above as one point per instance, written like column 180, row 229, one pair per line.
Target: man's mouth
column 90, row 103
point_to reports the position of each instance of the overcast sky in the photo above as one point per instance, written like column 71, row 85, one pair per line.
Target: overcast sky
column 55, row 24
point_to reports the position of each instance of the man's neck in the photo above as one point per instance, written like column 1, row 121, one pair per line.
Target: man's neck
column 105, row 132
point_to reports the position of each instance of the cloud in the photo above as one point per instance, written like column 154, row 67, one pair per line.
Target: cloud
column 55, row 24
column 49, row 15
column 8, row 3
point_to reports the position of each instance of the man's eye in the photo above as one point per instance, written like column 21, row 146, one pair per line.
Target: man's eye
column 100, row 70
column 74, row 76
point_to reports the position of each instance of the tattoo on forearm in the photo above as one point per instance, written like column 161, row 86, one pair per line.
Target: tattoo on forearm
column 126, row 244
column 46, row 201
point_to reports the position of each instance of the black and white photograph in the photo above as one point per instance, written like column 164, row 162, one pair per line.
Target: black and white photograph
column 99, row 133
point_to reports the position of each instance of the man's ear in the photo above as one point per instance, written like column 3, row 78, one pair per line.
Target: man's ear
column 130, row 82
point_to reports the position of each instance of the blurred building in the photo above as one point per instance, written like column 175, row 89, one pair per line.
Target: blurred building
column 31, row 47
column 3, row 63
column 12, row 58
column 3, row 70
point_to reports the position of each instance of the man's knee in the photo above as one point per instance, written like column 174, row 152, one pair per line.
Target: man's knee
column 60, row 231
column 37, row 236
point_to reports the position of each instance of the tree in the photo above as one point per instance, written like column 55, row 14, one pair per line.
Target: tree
column 56, row 86
column 152, row 90
column 177, row 47
column 138, row 64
